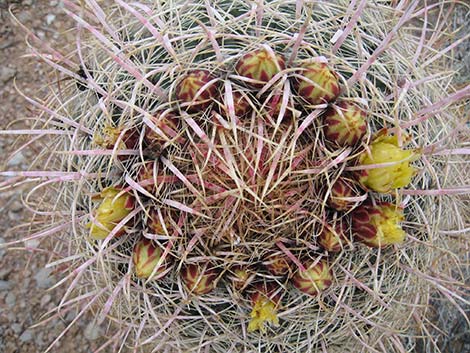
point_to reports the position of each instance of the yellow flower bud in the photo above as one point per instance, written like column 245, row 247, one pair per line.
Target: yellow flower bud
column 108, row 137
column 379, row 225
column 112, row 210
column 385, row 149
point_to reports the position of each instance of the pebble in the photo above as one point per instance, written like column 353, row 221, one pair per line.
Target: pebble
column 16, row 160
column 17, row 328
column 4, row 285
column 4, row 273
column 24, row 16
column 32, row 243
column 45, row 300
column 38, row 339
column 50, row 18
column 43, row 278
column 70, row 316
column 41, row 34
column 12, row 317
column 26, row 336
column 6, row 74
column 2, row 250
column 16, row 206
column 14, row 216
column 10, row 300
column 92, row 331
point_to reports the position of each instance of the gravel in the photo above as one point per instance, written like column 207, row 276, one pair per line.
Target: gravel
column 24, row 281
column 10, row 300
column 4, row 285
column 26, row 336
column 6, row 74
column 93, row 332
column 16, row 160
column 44, row 279
column 2, row 250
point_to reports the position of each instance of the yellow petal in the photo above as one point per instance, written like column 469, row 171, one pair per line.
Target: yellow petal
column 263, row 312
column 385, row 149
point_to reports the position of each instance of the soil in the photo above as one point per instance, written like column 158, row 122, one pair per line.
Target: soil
column 24, row 282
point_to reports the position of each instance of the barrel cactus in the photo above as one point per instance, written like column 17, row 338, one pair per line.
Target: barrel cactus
column 218, row 141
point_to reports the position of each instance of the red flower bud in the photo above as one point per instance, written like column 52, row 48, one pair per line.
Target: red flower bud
column 146, row 257
column 146, row 174
column 187, row 90
column 154, row 225
column 341, row 190
column 319, row 84
column 199, row 279
column 273, row 108
column 265, row 290
column 316, row 278
column 344, row 124
column 240, row 277
column 241, row 105
column 260, row 65
column 277, row 263
column 168, row 124
column 333, row 237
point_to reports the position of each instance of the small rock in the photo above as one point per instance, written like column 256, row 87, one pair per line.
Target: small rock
column 39, row 340
column 70, row 316
column 50, row 18
column 24, row 16
column 6, row 74
column 10, row 300
column 4, row 273
column 2, row 250
column 12, row 317
column 16, row 206
column 26, row 336
column 45, row 300
column 32, row 244
column 17, row 328
column 16, row 160
column 6, row 43
column 4, row 285
column 14, row 216
column 44, row 278
column 92, row 331
column 41, row 34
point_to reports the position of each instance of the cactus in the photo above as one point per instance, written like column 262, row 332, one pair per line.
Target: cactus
column 210, row 116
